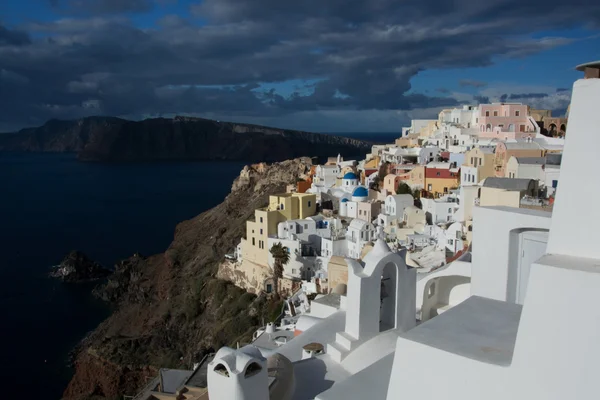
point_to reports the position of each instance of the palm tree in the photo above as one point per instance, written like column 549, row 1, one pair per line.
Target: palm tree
column 282, row 257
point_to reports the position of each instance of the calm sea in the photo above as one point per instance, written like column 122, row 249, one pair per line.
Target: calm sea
column 51, row 204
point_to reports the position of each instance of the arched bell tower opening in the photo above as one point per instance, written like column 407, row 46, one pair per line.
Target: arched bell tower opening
column 388, row 297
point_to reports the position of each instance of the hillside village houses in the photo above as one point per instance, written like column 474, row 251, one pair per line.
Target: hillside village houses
column 448, row 165
column 391, row 313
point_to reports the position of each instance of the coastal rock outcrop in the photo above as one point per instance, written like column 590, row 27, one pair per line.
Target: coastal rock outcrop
column 170, row 309
column 110, row 139
column 77, row 267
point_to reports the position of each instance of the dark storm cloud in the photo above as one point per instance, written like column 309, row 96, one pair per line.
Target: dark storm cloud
column 10, row 37
column 363, row 55
column 482, row 99
column 95, row 7
column 473, row 83
column 527, row 96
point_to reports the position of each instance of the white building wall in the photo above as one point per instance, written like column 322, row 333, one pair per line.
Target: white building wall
column 551, row 177
column 428, row 154
column 469, row 176
column 496, row 230
column 582, row 143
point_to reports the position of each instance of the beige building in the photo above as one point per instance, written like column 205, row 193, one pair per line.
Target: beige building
column 526, row 167
column 409, row 141
column 337, row 272
column 506, row 191
column 414, row 216
column 391, row 182
column 368, row 210
column 505, row 150
column 416, row 177
column 478, row 165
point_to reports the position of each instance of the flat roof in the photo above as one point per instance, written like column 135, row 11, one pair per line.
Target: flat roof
column 331, row 299
column 199, row 378
column 481, row 329
column 173, row 379
column 269, row 340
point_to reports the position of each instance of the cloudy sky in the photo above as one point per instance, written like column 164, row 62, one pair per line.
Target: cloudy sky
column 320, row 65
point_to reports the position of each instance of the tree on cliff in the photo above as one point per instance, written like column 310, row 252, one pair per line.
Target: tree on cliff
column 403, row 188
column 282, row 257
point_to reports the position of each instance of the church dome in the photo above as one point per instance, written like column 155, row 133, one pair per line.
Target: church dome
column 344, row 200
column 360, row 192
column 350, row 175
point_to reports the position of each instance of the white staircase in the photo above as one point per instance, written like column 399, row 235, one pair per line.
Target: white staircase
column 344, row 343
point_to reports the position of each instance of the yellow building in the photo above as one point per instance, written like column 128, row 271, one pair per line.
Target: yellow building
column 440, row 178
column 282, row 207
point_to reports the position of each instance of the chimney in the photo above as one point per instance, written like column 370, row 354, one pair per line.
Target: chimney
column 580, row 147
column 590, row 70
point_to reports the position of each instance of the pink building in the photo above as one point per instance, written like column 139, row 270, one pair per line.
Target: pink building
column 504, row 121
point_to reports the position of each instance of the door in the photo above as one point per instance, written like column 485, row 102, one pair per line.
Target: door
column 533, row 246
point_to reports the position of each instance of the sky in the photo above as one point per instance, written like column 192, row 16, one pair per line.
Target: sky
column 326, row 66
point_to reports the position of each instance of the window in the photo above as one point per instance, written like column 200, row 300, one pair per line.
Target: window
column 293, row 270
column 437, row 174
column 445, row 190
column 282, row 206
column 252, row 370
column 253, row 242
column 269, row 288
column 471, row 164
column 429, row 187
column 261, row 231
column 554, row 183
column 305, row 226
column 517, row 113
column 450, row 242
column 476, row 120
column 287, row 249
column 448, row 218
column 309, row 203
column 220, row 369
column 347, row 183
column 449, row 211
column 495, row 113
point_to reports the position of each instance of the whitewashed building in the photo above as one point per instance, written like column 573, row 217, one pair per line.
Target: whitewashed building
column 358, row 235
column 441, row 210
column 527, row 331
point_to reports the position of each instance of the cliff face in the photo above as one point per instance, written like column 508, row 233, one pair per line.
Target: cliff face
column 180, row 138
column 170, row 308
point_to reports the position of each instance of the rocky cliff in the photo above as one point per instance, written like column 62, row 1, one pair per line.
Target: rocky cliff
column 179, row 138
column 170, row 308
column 77, row 267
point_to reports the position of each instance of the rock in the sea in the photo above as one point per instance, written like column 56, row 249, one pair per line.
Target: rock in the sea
column 77, row 267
